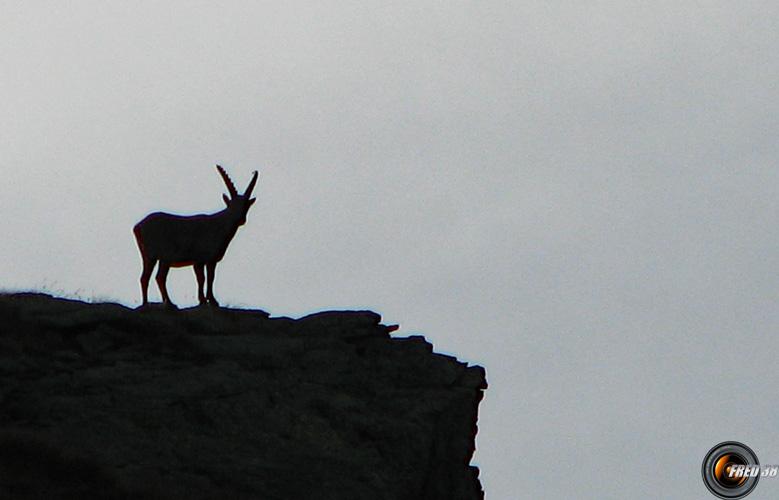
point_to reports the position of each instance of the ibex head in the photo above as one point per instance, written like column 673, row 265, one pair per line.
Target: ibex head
column 239, row 204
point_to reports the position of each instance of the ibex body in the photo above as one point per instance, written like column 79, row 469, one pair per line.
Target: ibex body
column 199, row 241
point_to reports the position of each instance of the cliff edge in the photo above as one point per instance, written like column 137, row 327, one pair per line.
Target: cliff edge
column 102, row 401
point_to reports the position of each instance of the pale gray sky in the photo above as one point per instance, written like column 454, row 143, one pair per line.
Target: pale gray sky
column 581, row 196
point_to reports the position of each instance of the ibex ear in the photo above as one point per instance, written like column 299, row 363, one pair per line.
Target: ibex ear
column 226, row 199
column 251, row 201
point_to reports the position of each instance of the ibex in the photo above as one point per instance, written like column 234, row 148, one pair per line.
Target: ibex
column 199, row 241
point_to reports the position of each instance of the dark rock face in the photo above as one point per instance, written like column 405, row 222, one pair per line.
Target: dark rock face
column 101, row 401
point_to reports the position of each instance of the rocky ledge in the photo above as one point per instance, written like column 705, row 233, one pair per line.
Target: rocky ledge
column 102, row 401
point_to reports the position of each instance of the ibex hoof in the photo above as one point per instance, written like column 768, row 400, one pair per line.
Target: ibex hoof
column 171, row 306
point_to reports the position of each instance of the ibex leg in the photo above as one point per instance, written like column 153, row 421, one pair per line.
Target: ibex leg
column 211, row 270
column 162, row 276
column 200, row 275
column 148, row 267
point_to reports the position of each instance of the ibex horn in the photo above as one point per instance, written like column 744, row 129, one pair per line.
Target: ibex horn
column 230, row 185
column 251, row 185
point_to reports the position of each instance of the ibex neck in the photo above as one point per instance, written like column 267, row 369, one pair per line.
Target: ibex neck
column 226, row 219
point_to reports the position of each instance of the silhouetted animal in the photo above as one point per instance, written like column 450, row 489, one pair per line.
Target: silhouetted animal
column 199, row 241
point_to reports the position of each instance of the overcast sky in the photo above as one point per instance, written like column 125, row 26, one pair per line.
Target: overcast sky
column 580, row 196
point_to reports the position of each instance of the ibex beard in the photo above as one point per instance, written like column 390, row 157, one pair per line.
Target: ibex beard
column 199, row 241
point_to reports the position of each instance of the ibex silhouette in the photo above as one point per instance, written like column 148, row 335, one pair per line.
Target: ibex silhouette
column 199, row 241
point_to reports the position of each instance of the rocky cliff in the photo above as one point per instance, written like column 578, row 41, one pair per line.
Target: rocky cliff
column 102, row 401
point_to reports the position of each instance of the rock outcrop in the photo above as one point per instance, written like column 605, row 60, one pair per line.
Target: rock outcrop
column 102, row 401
